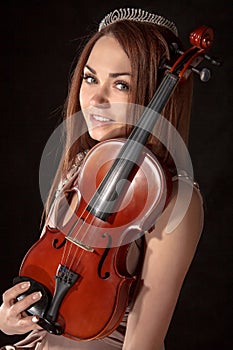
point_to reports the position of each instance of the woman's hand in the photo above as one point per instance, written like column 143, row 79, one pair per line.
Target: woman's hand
column 13, row 319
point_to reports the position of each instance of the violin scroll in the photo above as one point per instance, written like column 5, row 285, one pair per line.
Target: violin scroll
column 202, row 37
column 188, row 61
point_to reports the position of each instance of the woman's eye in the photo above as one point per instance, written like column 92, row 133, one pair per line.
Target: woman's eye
column 89, row 79
column 122, row 86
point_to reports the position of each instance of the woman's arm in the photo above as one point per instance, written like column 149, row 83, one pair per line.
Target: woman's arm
column 168, row 257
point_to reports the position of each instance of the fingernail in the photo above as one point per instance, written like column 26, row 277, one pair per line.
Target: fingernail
column 36, row 295
column 25, row 285
column 35, row 319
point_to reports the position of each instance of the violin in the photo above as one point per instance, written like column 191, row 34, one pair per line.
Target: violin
column 121, row 190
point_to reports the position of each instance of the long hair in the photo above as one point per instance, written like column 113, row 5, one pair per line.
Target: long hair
column 146, row 45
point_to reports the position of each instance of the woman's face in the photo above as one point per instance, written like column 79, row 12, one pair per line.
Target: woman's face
column 105, row 89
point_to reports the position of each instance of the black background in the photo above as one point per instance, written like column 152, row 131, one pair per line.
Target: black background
column 39, row 41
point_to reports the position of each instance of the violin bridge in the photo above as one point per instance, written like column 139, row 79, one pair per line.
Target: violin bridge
column 80, row 245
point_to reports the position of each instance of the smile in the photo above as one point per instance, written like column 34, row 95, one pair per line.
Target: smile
column 100, row 118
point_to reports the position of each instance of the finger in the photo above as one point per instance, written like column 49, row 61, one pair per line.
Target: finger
column 19, row 324
column 10, row 295
column 25, row 303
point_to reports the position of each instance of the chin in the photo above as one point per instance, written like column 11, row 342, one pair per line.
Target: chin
column 97, row 136
column 101, row 135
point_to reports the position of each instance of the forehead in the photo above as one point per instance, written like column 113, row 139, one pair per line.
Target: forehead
column 108, row 54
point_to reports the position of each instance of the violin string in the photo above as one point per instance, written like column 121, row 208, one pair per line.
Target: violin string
column 89, row 225
column 67, row 251
column 85, row 232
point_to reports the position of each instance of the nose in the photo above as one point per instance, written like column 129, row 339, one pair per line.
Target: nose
column 100, row 97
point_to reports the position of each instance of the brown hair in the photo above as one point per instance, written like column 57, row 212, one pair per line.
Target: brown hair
column 146, row 46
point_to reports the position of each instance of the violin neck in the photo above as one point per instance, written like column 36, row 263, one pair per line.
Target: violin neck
column 106, row 197
column 148, row 119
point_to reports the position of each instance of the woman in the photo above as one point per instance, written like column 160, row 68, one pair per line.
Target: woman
column 121, row 65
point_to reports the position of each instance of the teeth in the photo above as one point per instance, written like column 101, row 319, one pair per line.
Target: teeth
column 101, row 119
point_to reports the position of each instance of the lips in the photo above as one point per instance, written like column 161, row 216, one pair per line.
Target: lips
column 100, row 118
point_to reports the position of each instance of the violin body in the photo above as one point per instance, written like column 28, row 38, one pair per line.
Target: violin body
column 95, row 304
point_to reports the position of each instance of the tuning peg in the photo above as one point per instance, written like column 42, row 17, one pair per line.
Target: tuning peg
column 204, row 73
column 213, row 60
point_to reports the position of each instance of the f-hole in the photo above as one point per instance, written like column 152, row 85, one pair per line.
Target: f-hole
column 103, row 258
column 56, row 241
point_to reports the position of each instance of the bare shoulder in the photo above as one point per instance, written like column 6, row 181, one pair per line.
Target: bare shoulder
column 176, row 234
column 183, row 214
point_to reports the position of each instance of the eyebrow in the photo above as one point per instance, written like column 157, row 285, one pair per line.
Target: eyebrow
column 111, row 75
